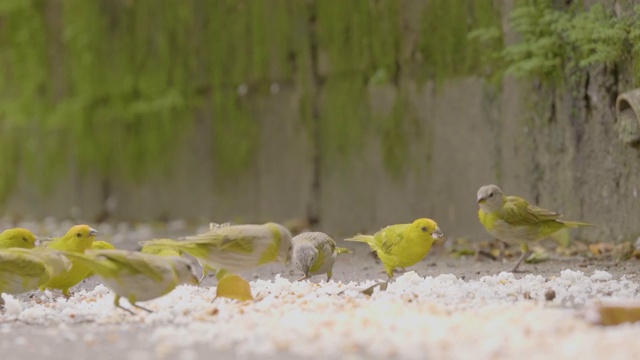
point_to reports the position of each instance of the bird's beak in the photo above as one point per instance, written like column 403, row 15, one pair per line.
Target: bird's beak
column 436, row 234
column 481, row 200
column 194, row 280
column 93, row 232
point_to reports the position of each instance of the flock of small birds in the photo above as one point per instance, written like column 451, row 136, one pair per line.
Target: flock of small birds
column 160, row 265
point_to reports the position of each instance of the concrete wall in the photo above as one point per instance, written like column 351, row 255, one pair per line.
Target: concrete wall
column 558, row 149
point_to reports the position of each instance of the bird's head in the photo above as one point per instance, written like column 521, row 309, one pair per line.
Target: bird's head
column 82, row 231
column 185, row 272
column 82, row 235
column 429, row 226
column 490, row 198
column 20, row 236
column 304, row 256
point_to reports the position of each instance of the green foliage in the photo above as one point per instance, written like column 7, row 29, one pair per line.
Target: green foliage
column 541, row 49
column 596, row 36
column 555, row 41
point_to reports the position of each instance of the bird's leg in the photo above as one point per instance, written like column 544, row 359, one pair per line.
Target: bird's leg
column 206, row 270
column 525, row 254
column 116, row 302
column 142, row 308
column 202, row 278
column 303, row 278
column 389, row 272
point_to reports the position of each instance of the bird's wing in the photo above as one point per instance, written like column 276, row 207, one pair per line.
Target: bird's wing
column 224, row 241
column 328, row 246
column 391, row 236
column 322, row 256
column 131, row 261
column 517, row 211
column 21, row 264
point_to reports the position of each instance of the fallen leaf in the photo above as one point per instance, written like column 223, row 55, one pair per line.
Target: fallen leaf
column 616, row 312
column 623, row 251
column 600, row 248
column 369, row 291
column 232, row 286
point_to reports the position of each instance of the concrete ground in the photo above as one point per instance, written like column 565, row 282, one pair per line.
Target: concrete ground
column 130, row 340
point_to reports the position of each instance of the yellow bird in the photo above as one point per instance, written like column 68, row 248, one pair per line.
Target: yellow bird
column 511, row 219
column 402, row 245
column 17, row 238
column 78, row 239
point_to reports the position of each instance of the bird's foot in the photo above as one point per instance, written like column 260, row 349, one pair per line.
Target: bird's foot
column 303, row 278
column 142, row 308
column 125, row 309
column 382, row 285
column 519, row 271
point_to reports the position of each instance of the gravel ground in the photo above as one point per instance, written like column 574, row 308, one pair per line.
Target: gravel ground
column 442, row 308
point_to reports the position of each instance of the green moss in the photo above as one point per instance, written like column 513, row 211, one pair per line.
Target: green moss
column 445, row 43
column 113, row 86
column 398, row 131
column 360, row 41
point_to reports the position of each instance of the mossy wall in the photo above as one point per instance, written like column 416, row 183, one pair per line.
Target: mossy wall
column 355, row 114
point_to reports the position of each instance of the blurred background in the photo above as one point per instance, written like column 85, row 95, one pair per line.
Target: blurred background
column 341, row 115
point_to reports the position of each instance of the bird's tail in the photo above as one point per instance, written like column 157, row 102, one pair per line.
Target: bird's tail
column 574, row 224
column 341, row 250
column 369, row 239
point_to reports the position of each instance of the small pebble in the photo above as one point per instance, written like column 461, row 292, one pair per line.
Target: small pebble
column 550, row 294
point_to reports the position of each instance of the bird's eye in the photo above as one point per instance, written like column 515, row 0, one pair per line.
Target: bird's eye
column 490, row 194
column 424, row 228
column 78, row 235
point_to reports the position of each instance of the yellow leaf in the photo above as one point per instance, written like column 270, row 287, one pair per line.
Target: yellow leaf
column 232, row 286
column 615, row 314
column 600, row 248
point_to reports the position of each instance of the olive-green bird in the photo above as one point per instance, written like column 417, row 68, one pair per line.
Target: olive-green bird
column 22, row 270
column 165, row 251
column 314, row 253
column 78, row 239
column 17, row 238
column 134, row 275
column 511, row 219
column 402, row 245
column 234, row 248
